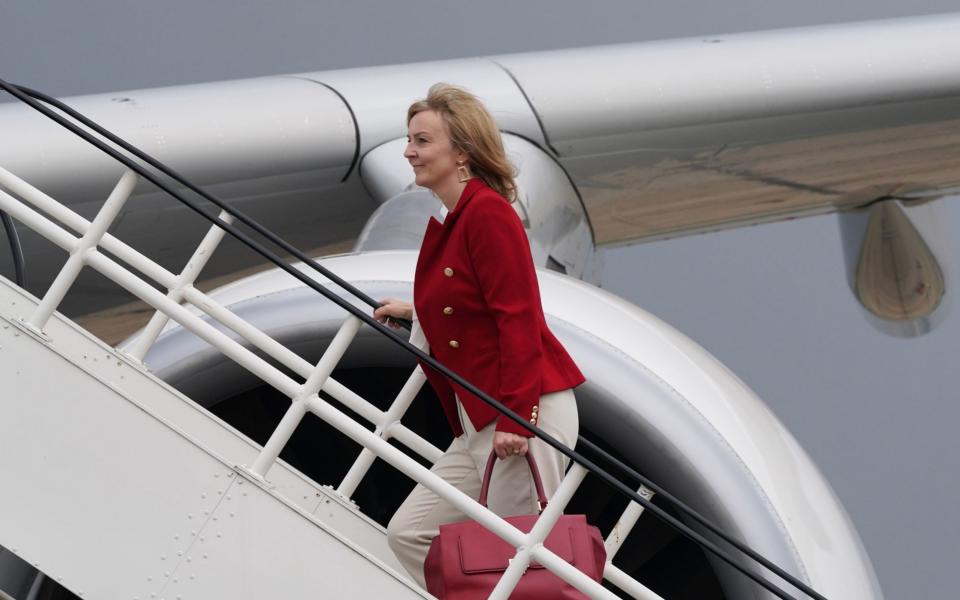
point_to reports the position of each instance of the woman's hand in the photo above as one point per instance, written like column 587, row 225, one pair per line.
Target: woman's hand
column 397, row 309
column 507, row 444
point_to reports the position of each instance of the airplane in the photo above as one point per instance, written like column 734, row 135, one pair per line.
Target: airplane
column 608, row 154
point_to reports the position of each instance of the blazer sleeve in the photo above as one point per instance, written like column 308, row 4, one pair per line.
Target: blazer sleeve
column 501, row 259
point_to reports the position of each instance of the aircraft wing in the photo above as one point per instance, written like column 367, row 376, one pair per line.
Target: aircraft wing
column 659, row 139
column 672, row 137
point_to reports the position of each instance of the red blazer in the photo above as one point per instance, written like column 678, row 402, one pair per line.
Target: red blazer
column 478, row 302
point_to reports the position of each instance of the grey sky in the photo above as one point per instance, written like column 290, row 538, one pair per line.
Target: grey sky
column 876, row 413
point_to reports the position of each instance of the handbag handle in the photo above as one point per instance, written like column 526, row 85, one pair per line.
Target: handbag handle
column 485, row 487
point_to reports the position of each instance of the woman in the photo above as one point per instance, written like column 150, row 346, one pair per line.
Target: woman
column 478, row 303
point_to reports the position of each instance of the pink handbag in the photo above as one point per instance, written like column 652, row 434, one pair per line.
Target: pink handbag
column 466, row 561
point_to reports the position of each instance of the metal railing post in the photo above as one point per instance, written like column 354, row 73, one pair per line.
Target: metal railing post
column 281, row 435
column 78, row 255
column 385, row 430
column 189, row 274
column 625, row 524
column 541, row 529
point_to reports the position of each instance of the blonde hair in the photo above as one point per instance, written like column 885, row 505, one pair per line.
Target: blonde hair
column 472, row 130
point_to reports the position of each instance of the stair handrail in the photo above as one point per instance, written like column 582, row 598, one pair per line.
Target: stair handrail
column 33, row 99
column 16, row 250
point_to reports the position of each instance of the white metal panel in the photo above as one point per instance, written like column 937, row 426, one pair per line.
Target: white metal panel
column 103, row 493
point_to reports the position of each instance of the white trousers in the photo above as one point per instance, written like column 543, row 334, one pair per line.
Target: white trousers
column 512, row 492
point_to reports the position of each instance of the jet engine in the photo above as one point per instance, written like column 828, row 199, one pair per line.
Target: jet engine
column 652, row 397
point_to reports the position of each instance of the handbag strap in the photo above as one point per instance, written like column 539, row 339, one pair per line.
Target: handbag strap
column 485, row 487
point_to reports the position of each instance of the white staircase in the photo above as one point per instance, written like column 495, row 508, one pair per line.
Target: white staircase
column 117, row 486
column 120, row 487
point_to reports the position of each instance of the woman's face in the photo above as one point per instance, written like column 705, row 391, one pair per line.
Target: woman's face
column 430, row 152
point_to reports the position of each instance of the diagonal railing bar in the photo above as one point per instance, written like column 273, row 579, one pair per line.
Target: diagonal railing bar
column 395, row 338
column 386, row 428
column 624, row 525
column 90, row 239
column 187, row 276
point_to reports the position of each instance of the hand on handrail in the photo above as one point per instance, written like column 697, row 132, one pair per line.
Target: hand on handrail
column 391, row 310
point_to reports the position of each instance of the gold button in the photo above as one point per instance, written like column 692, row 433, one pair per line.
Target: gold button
column 454, row 344
column 448, row 271
column 448, row 310
column 533, row 420
column 535, row 408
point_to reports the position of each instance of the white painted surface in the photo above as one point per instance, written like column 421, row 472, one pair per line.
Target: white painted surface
column 111, row 474
column 610, row 92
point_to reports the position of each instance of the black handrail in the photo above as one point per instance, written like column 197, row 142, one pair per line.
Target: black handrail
column 19, row 266
column 30, row 98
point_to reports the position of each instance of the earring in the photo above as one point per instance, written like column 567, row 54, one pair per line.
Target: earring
column 462, row 173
